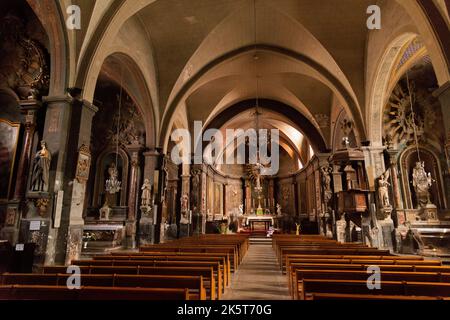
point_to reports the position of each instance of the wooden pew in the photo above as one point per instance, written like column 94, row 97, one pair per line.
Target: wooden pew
column 29, row 292
column 207, row 273
column 223, row 258
column 340, row 296
column 158, row 263
column 197, row 249
column 302, row 274
column 336, row 265
column 194, row 284
column 119, row 260
column 396, row 288
column 330, row 251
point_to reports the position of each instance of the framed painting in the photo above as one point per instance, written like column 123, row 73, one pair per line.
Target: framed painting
column 9, row 138
column 83, row 164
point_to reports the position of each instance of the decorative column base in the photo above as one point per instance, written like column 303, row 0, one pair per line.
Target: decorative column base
column 387, row 237
column 74, row 243
column 10, row 231
column 429, row 213
column 146, row 227
column 130, row 234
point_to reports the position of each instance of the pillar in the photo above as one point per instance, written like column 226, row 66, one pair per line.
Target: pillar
column 185, row 221
column 146, row 234
column 29, row 110
column 393, row 161
column 443, row 94
column 78, row 203
column 130, row 226
column 374, row 162
column 40, row 205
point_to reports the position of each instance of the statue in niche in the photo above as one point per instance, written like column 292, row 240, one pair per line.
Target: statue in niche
column 422, row 182
column 326, row 181
column 41, row 169
column 383, row 191
column 184, row 202
column 113, row 185
column 146, row 197
column 347, row 128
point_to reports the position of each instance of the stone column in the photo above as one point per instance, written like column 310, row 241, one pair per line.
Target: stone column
column 147, row 222
column 185, row 221
column 78, row 203
column 443, row 94
column 393, row 161
column 374, row 162
column 271, row 196
column 50, row 247
column 130, row 226
column 10, row 232
column 29, row 108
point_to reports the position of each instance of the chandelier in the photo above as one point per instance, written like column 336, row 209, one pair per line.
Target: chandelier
column 113, row 184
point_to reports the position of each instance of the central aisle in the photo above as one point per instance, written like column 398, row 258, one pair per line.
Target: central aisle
column 259, row 277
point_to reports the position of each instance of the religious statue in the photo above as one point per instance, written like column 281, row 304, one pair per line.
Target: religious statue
column 146, row 196
column 184, row 203
column 241, row 209
column 422, row 182
column 41, row 169
column 278, row 210
column 383, row 192
column 297, row 230
column 326, row 181
column 113, row 185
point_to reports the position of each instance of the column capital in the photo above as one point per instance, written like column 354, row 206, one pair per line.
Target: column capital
column 56, row 99
column 29, row 105
column 151, row 153
column 90, row 106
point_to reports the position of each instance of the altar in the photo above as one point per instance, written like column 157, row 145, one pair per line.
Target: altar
column 251, row 220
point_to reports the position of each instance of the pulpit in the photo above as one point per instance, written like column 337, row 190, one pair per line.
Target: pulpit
column 353, row 203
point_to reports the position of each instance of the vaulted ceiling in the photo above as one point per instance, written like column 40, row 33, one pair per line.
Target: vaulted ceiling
column 201, row 57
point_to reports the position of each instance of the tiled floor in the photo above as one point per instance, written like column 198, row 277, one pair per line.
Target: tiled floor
column 258, row 277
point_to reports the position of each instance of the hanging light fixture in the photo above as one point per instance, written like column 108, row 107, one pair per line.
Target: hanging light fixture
column 113, row 184
column 422, row 180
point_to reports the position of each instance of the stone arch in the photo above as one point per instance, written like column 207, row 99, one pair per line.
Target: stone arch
column 308, row 129
column 435, row 32
column 136, row 87
column 379, row 93
column 349, row 101
column 60, row 68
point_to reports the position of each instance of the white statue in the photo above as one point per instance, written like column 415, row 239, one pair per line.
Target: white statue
column 146, row 194
column 241, row 209
column 184, row 202
column 422, row 182
column 113, row 185
column 279, row 209
column 383, row 192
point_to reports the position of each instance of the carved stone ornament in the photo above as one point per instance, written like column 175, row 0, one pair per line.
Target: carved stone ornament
column 42, row 206
column 422, row 182
column 323, row 120
column 83, row 164
column 24, row 68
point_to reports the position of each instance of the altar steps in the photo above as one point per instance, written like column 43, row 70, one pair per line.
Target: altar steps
column 257, row 240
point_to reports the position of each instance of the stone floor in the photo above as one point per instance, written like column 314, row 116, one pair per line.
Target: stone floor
column 258, row 277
